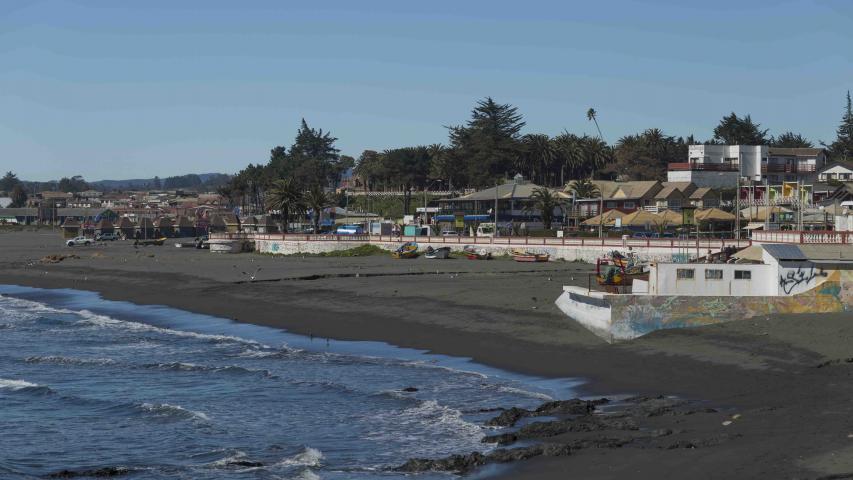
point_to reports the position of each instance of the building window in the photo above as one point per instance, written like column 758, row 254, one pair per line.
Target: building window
column 713, row 274
column 743, row 275
column 611, row 204
column 684, row 274
column 628, row 205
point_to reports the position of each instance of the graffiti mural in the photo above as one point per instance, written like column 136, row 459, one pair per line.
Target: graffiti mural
column 636, row 315
column 791, row 279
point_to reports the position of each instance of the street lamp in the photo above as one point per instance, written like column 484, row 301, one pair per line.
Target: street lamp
column 425, row 194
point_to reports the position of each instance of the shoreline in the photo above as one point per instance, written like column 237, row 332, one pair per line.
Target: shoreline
column 794, row 414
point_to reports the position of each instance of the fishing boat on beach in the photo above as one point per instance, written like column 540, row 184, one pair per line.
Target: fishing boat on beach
column 616, row 270
column 407, row 250
column 525, row 256
column 437, row 253
column 474, row 253
column 153, row 241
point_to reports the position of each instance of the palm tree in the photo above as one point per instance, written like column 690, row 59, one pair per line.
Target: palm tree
column 316, row 199
column 596, row 153
column 286, row 197
column 584, row 188
column 538, row 156
column 569, row 153
column 545, row 201
column 592, row 116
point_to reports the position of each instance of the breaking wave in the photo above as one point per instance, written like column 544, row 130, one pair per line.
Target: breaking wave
column 191, row 367
column 23, row 386
column 166, row 411
column 60, row 360
column 309, row 457
column 97, row 320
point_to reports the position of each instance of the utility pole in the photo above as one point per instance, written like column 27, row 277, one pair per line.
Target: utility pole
column 737, row 208
column 496, row 209
column 767, row 208
column 600, row 214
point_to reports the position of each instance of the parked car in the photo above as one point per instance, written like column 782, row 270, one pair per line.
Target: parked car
column 79, row 241
column 643, row 235
column 106, row 237
column 449, row 233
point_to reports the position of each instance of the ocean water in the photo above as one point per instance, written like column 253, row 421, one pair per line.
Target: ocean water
column 87, row 383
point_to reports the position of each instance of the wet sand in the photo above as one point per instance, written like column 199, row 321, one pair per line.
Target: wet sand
column 795, row 418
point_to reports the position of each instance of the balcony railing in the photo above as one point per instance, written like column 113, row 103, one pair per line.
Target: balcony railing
column 701, row 166
column 787, row 168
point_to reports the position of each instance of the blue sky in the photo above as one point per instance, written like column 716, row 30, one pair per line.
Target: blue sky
column 122, row 89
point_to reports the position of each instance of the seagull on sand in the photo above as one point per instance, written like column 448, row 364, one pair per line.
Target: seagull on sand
column 252, row 275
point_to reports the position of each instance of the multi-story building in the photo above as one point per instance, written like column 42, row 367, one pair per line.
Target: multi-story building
column 718, row 166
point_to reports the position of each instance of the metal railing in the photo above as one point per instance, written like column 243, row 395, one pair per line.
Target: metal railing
column 703, row 166
column 803, row 237
column 672, row 243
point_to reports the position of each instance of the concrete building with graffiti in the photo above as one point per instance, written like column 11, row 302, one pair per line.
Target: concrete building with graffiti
column 761, row 280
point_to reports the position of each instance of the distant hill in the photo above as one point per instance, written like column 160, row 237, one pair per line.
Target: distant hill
column 192, row 180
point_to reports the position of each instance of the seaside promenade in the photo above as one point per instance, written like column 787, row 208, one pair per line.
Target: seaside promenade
column 566, row 248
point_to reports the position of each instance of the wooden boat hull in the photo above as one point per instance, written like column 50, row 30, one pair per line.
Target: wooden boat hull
column 408, row 250
column 531, row 258
column 438, row 253
column 155, row 241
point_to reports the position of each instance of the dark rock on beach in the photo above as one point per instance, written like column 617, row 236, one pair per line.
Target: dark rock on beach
column 465, row 463
column 410, row 389
column 586, row 423
column 575, row 406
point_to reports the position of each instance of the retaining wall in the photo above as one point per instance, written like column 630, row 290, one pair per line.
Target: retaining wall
column 587, row 253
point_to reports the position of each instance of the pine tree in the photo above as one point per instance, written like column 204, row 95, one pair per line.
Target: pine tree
column 734, row 130
column 489, row 144
column 842, row 147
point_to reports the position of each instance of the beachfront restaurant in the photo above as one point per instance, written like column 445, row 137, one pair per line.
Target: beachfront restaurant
column 512, row 199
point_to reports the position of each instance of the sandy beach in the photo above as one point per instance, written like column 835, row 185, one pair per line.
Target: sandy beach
column 781, row 385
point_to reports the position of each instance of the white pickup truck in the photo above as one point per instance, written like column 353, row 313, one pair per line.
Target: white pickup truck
column 79, row 241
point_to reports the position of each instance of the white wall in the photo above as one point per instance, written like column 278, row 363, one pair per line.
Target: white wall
column 585, row 253
column 664, row 280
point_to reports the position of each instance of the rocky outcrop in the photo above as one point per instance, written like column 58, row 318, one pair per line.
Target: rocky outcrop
column 575, row 406
column 462, row 464
column 586, row 423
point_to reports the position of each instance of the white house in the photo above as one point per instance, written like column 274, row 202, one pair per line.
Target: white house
column 836, row 171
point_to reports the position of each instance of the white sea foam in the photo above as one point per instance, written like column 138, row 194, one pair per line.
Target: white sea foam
column 237, row 456
column 16, row 384
column 309, row 457
column 524, row 393
column 307, row 474
column 60, row 360
column 104, row 321
column 176, row 411
column 94, row 319
column 192, row 367
column 429, row 421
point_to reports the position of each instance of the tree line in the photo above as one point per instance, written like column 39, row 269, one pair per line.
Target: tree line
column 491, row 146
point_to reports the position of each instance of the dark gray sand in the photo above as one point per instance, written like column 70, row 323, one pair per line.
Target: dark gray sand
column 784, row 383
